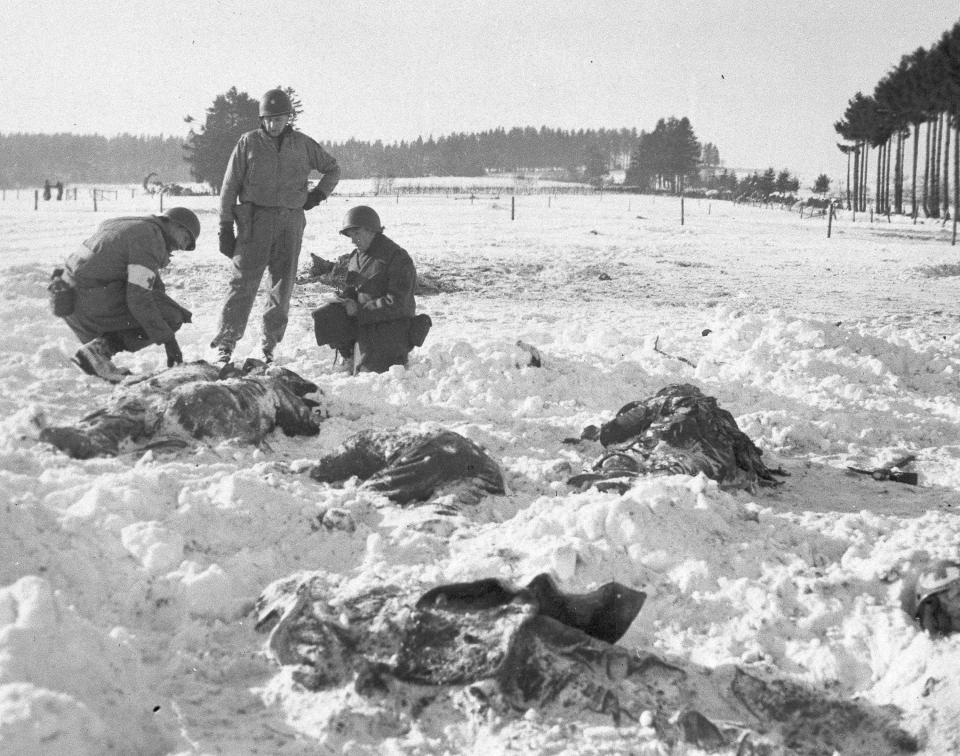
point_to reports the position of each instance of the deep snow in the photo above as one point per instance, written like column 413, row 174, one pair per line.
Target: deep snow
column 126, row 584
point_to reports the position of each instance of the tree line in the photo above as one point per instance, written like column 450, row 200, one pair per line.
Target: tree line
column 574, row 155
column 669, row 158
column 918, row 98
column 29, row 159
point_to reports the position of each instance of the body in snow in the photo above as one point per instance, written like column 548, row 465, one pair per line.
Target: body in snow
column 677, row 430
column 193, row 401
column 410, row 466
column 488, row 649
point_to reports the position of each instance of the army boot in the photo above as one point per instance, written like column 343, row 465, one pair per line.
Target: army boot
column 93, row 358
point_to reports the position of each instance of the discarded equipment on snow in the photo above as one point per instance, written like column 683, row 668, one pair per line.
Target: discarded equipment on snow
column 892, row 472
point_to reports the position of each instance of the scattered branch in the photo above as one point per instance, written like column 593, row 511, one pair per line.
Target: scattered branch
column 656, row 348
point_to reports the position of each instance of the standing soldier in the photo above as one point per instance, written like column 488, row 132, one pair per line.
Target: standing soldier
column 265, row 191
column 120, row 302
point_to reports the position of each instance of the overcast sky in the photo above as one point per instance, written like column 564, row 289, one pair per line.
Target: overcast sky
column 764, row 81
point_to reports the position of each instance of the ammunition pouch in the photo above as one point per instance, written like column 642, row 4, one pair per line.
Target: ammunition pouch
column 63, row 296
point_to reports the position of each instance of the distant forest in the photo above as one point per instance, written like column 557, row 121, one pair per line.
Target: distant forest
column 575, row 155
column 29, row 159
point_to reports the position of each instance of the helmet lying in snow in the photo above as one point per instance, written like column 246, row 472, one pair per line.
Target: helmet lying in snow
column 938, row 598
column 361, row 216
column 275, row 102
column 187, row 220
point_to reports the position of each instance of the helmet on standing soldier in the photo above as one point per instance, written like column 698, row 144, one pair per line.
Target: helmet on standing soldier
column 275, row 102
column 361, row 216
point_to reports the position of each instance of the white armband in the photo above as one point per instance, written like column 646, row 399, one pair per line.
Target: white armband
column 142, row 276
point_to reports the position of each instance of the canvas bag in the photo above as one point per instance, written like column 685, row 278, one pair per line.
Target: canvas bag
column 63, row 297
column 420, row 326
column 331, row 325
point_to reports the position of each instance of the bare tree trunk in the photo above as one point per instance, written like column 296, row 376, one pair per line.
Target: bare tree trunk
column 848, row 181
column 935, row 173
column 878, row 198
column 926, row 172
column 865, row 168
column 946, row 165
column 956, row 170
column 885, row 175
column 891, row 149
column 856, row 176
column 898, row 175
column 916, row 156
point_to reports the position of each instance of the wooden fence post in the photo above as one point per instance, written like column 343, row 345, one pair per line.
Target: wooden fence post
column 681, row 209
column 513, row 206
column 830, row 221
column 36, row 198
column 94, row 200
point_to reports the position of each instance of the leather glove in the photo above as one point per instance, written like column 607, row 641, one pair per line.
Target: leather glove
column 174, row 355
column 314, row 198
column 228, row 241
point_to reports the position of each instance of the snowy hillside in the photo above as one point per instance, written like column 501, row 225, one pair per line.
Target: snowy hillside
column 127, row 585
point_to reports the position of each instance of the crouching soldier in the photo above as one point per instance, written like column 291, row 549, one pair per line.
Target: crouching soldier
column 376, row 308
column 119, row 302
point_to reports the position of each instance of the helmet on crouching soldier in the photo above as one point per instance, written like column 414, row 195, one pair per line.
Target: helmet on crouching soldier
column 938, row 598
column 361, row 216
column 187, row 220
column 275, row 102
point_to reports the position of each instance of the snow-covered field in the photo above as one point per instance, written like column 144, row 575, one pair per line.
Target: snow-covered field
column 126, row 585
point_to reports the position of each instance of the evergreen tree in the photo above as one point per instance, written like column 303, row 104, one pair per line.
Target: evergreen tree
column 209, row 149
column 785, row 183
column 822, row 184
column 767, row 182
column 595, row 164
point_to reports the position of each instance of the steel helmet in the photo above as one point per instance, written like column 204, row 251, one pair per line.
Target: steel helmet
column 275, row 102
column 937, row 578
column 187, row 220
column 361, row 216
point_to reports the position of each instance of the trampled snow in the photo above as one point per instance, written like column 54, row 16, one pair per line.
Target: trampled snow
column 126, row 584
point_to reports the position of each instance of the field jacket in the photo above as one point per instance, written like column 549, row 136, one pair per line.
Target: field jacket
column 385, row 279
column 274, row 173
column 116, row 273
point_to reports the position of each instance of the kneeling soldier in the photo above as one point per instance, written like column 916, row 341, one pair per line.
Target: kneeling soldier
column 378, row 298
column 120, row 302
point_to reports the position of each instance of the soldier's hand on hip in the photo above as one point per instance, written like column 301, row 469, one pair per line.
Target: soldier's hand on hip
column 314, row 198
